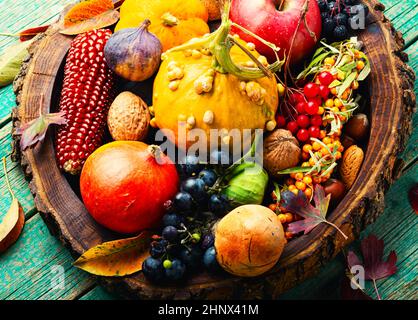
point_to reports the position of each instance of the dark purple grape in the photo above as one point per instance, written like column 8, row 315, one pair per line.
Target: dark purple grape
column 340, row 33
column 177, row 270
column 328, row 26
column 350, row 2
column 192, row 258
column 323, row 5
column 158, row 248
column 189, row 166
column 209, row 177
column 210, row 262
column 341, row 19
column 207, row 241
column 196, row 188
column 172, row 219
column 183, row 201
column 218, row 204
column 324, row 15
column 153, row 270
column 170, row 234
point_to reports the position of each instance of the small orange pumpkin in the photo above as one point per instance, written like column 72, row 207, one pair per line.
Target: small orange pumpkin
column 174, row 22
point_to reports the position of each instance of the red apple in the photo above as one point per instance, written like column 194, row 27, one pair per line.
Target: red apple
column 278, row 25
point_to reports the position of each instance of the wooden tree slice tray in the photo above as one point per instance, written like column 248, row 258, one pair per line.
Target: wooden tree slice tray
column 392, row 101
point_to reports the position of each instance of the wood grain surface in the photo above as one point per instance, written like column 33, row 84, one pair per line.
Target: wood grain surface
column 409, row 157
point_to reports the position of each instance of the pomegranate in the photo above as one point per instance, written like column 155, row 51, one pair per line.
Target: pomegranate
column 125, row 184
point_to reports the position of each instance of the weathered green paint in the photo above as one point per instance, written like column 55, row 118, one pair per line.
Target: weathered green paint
column 26, row 267
column 29, row 269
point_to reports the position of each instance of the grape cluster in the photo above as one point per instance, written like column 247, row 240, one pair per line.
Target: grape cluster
column 186, row 242
column 197, row 192
column 341, row 17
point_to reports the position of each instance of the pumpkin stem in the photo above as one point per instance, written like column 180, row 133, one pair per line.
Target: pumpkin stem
column 169, row 20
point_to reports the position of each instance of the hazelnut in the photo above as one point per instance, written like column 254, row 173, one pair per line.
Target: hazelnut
column 336, row 188
column 357, row 127
column 347, row 141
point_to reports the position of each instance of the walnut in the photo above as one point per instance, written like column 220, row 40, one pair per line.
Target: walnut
column 281, row 151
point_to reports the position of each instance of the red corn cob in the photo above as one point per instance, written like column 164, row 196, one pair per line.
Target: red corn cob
column 85, row 99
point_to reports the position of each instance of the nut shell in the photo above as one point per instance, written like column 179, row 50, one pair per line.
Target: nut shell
column 336, row 188
column 357, row 127
column 128, row 118
column 281, row 151
column 350, row 166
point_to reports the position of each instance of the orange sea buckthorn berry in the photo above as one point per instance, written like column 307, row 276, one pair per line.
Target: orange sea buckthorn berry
column 292, row 187
column 321, row 111
column 316, row 146
column 292, row 175
column 305, row 164
column 305, row 156
column 273, row 207
column 329, row 61
column 326, row 140
column 289, row 217
column 306, row 148
column 317, row 180
column 338, row 103
column 360, row 65
column 345, row 96
column 340, row 75
column 322, row 134
column 282, row 218
column 295, row 192
column 324, row 151
column 343, row 118
column 338, row 155
column 311, row 162
column 355, row 85
column 307, row 180
column 308, row 192
column 300, row 185
column 329, row 103
column 334, row 91
column 299, row 176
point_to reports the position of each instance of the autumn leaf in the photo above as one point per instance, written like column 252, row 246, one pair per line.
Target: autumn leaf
column 100, row 21
column 14, row 220
column 116, row 258
column 11, row 61
column 313, row 216
column 347, row 291
column 374, row 267
column 86, row 10
column 30, row 33
column 34, row 131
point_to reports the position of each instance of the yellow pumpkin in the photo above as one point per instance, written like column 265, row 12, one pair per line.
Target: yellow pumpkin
column 174, row 22
column 203, row 84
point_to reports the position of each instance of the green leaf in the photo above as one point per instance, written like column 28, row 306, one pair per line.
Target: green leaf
column 295, row 170
column 365, row 72
column 334, row 84
column 347, row 83
column 11, row 61
column 349, row 67
column 313, row 63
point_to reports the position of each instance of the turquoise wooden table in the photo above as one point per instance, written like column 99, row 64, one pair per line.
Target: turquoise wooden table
column 30, row 269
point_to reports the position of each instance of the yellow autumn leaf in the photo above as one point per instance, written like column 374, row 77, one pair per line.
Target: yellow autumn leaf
column 12, row 224
column 116, row 258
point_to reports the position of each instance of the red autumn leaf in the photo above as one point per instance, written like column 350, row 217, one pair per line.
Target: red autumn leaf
column 374, row 267
column 348, row 293
column 313, row 216
column 28, row 34
column 413, row 198
column 34, row 131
